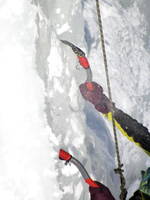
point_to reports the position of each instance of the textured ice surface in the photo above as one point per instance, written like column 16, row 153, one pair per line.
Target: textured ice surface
column 41, row 109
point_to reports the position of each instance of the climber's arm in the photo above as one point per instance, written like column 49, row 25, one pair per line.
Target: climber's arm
column 132, row 129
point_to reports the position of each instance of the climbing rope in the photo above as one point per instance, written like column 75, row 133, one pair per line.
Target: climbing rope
column 119, row 170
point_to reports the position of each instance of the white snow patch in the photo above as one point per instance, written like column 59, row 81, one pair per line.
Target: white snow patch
column 58, row 10
column 64, row 28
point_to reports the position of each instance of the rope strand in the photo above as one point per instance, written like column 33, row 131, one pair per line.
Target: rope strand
column 119, row 169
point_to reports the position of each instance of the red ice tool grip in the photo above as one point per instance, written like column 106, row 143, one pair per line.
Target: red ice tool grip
column 83, row 62
column 92, row 183
column 63, row 155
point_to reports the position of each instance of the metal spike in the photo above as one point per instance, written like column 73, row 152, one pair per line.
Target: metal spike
column 75, row 49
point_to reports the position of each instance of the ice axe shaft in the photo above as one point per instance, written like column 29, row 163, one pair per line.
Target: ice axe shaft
column 63, row 155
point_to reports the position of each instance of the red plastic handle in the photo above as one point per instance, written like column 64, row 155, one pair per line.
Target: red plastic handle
column 92, row 183
column 84, row 62
column 63, row 155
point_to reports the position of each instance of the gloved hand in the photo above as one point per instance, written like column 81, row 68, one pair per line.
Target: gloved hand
column 136, row 196
column 145, row 183
column 93, row 93
column 101, row 193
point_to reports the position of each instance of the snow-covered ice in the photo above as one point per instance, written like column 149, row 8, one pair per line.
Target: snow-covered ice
column 41, row 109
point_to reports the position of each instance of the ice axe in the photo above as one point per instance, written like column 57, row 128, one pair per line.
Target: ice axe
column 81, row 57
column 63, row 155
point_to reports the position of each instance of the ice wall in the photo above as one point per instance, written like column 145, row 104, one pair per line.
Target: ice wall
column 41, row 109
column 65, row 107
column 25, row 151
column 125, row 28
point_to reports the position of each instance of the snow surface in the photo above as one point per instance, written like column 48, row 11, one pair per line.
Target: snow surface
column 41, row 109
